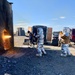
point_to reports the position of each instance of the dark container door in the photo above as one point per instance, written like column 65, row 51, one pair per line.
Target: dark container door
column 44, row 29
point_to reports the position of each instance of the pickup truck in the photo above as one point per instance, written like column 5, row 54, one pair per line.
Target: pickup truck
column 55, row 38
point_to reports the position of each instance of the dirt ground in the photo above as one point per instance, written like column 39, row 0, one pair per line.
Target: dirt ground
column 22, row 61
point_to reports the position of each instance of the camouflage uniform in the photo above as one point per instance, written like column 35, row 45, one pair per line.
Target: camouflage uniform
column 65, row 45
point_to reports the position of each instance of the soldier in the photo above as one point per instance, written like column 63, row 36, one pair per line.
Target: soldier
column 40, row 42
column 65, row 45
column 30, row 38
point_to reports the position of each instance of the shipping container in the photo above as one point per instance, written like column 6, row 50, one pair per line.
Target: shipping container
column 44, row 30
column 73, row 35
column 47, row 32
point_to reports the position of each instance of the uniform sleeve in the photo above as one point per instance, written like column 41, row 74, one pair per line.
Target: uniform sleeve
column 37, row 36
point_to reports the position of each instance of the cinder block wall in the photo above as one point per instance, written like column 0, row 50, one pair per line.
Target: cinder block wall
column 6, row 20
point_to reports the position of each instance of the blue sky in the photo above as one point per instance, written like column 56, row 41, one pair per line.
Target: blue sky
column 52, row 13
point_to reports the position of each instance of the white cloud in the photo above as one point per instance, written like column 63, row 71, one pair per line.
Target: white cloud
column 62, row 17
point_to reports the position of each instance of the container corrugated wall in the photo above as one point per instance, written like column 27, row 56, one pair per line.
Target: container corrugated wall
column 49, row 34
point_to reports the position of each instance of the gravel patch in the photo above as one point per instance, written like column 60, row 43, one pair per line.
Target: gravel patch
column 29, row 64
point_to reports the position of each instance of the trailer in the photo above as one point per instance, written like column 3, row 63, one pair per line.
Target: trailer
column 47, row 32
